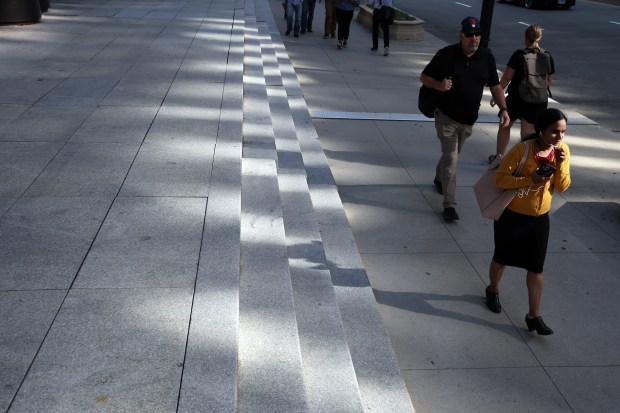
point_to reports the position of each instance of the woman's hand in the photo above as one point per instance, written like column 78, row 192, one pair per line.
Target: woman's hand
column 560, row 155
column 538, row 179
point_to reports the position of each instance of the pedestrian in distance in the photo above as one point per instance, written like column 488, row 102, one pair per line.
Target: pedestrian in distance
column 522, row 232
column 307, row 15
column 344, row 15
column 293, row 16
column 515, row 77
column 330, row 19
column 378, row 20
column 460, row 72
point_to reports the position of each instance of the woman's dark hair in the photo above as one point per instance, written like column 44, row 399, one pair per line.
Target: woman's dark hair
column 545, row 118
column 548, row 117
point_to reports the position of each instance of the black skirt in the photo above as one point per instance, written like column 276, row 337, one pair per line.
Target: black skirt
column 521, row 240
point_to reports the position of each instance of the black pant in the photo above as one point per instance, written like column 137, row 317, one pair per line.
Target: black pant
column 376, row 22
column 343, row 17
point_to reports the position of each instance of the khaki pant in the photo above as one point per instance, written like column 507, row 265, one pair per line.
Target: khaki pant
column 452, row 136
column 330, row 18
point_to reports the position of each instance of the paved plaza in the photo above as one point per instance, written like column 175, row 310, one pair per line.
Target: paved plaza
column 201, row 214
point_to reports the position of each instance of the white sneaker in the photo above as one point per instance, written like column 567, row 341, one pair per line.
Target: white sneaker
column 386, row 51
column 339, row 45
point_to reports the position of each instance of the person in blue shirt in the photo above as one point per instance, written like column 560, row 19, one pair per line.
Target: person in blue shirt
column 293, row 7
column 344, row 15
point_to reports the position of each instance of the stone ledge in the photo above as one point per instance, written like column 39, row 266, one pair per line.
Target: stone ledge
column 400, row 30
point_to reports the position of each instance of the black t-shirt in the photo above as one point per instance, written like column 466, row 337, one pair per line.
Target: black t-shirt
column 469, row 77
column 516, row 63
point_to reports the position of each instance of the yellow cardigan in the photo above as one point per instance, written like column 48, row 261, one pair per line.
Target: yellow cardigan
column 532, row 199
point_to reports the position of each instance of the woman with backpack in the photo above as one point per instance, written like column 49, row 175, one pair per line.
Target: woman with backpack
column 526, row 99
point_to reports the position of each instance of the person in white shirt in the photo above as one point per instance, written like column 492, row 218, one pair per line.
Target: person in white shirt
column 378, row 20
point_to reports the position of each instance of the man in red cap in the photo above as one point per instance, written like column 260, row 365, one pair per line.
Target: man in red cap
column 460, row 72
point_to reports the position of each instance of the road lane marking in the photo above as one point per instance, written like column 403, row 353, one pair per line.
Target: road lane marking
column 611, row 21
column 463, row 4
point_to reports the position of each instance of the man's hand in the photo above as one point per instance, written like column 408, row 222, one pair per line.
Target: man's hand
column 504, row 119
column 446, row 84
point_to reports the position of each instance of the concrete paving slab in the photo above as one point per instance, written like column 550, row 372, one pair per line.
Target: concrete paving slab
column 512, row 390
column 103, row 67
column 25, row 317
column 316, row 74
column 146, row 243
column 440, row 292
column 599, row 205
column 79, row 91
column 10, row 112
column 44, row 241
column 111, row 350
column 184, row 124
column 342, row 131
column 194, row 93
column 574, row 228
column 381, row 97
column 5, row 204
column 46, row 69
column 386, row 219
column 42, row 123
column 85, row 169
column 368, row 163
column 418, row 154
column 21, row 163
column 108, row 124
column 328, row 97
column 569, row 297
column 138, row 92
column 473, row 232
column 179, row 168
column 195, row 70
column 24, row 44
column 604, row 382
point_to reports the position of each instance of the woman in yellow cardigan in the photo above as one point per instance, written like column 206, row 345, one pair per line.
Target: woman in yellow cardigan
column 522, row 232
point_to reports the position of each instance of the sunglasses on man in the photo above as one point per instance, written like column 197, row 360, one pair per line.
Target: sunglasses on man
column 477, row 34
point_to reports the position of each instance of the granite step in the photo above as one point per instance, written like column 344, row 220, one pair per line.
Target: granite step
column 380, row 385
column 270, row 368
column 329, row 377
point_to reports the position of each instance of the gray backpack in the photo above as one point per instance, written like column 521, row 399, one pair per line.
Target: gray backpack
column 536, row 68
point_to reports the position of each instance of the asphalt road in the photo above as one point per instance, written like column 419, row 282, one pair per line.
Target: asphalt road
column 584, row 42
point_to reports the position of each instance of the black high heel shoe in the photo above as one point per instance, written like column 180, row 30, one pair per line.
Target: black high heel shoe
column 538, row 324
column 493, row 301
